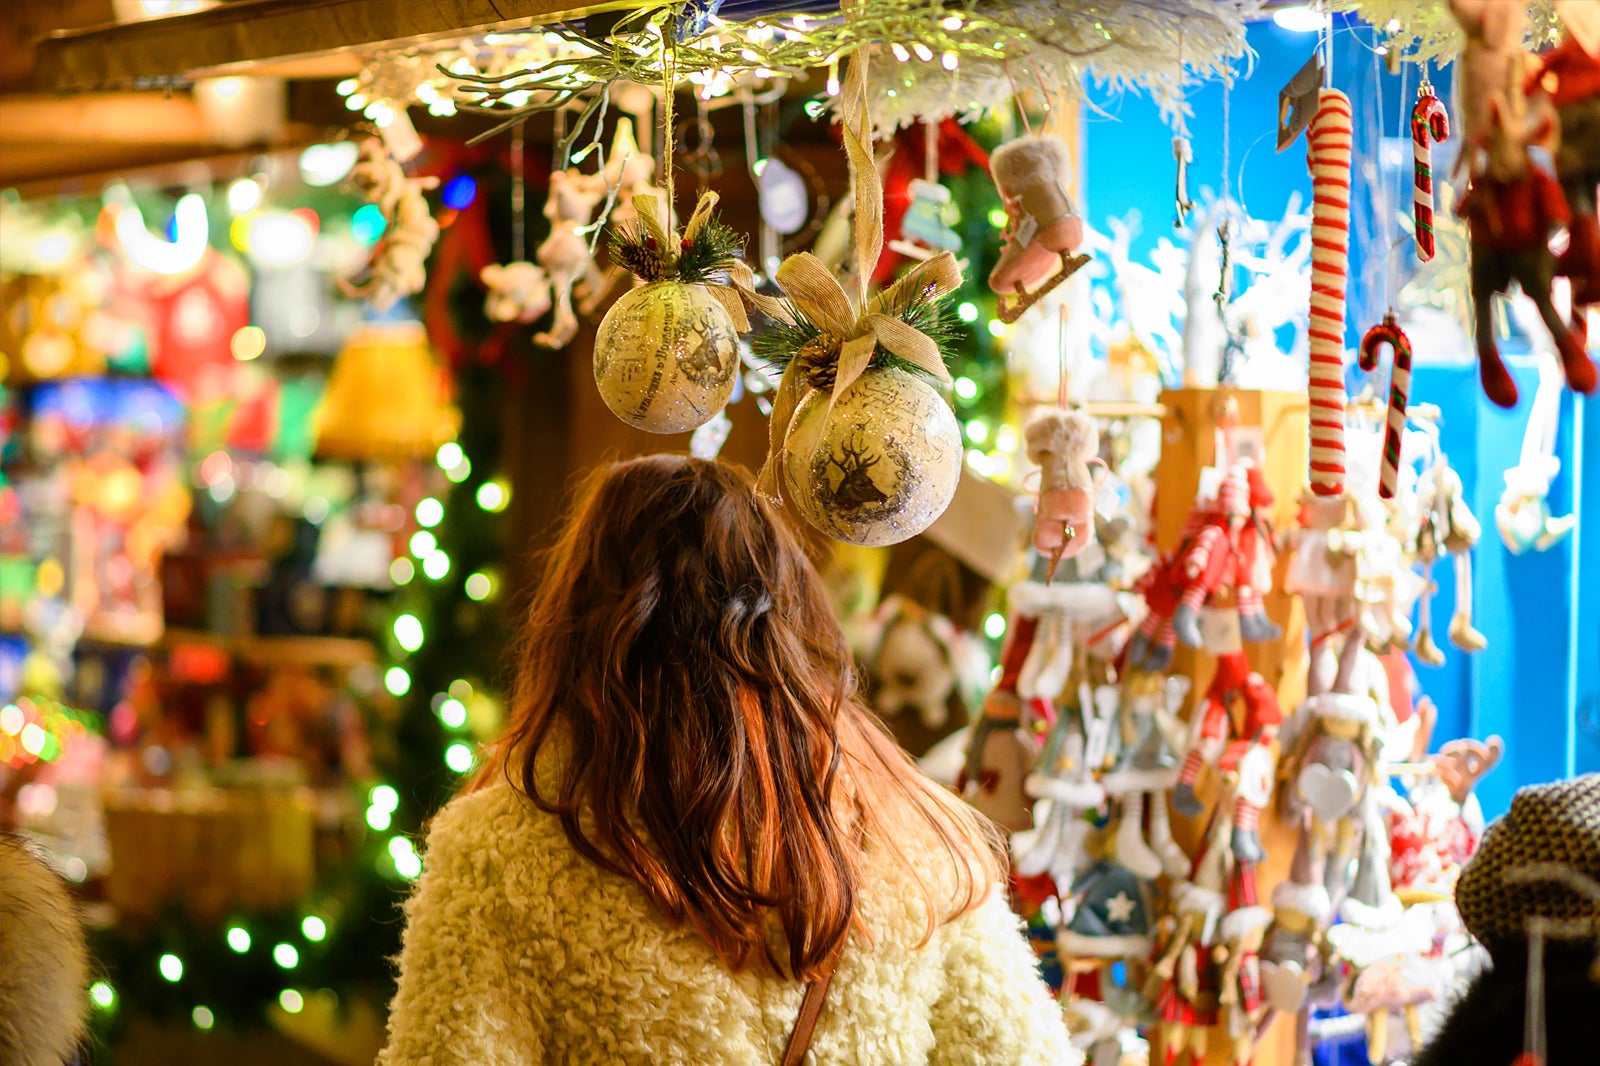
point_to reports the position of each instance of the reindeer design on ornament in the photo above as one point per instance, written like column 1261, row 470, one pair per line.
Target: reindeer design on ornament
column 856, row 489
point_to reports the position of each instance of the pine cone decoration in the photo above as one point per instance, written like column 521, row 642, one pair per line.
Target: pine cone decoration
column 819, row 360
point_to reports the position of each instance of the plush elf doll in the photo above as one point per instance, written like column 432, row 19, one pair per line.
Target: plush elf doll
column 1220, row 557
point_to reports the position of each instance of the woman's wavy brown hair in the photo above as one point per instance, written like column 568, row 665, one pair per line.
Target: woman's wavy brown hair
column 686, row 706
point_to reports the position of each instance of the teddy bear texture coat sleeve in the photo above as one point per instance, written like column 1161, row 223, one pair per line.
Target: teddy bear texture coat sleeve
column 994, row 1008
column 458, row 1001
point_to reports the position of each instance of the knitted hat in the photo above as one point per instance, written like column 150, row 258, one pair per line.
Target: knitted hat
column 1555, row 823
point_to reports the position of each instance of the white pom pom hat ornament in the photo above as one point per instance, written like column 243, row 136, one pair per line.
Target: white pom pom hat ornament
column 666, row 355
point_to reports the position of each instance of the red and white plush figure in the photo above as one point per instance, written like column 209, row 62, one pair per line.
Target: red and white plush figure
column 1512, row 208
column 1247, row 756
column 1224, row 553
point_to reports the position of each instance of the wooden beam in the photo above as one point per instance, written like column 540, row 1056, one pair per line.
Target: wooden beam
column 52, row 171
column 101, row 118
column 235, row 38
column 23, row 22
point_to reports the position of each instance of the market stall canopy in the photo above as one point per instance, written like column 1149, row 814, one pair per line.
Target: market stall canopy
column 285, row 38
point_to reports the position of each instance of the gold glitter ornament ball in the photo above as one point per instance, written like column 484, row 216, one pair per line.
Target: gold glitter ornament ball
column 882, row 466
column 666, row 357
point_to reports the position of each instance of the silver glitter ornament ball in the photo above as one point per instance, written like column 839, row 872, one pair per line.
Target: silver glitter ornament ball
column 882, row 466
column 666, row 356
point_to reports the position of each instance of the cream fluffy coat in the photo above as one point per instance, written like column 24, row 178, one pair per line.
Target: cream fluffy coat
column 518, row 950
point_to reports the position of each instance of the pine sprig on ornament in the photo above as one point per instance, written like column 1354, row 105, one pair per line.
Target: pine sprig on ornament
column 704, row 256
column 917, row 305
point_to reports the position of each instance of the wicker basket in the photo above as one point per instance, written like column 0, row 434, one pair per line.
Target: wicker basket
column 214, row 851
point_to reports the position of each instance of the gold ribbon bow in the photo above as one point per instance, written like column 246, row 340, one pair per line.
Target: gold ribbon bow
column 849, row 338
column 740, row 289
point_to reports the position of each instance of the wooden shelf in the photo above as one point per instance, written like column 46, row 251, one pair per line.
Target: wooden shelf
column 280, row 651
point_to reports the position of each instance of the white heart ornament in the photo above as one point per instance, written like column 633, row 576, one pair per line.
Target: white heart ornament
column 1328, row 792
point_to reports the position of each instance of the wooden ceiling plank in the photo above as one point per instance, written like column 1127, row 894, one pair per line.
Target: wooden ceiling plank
column 102, row 118
column 230, row 38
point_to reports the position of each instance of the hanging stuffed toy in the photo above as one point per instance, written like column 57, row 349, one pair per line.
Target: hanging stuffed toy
column 1446, row 526
column 862, row 440
column 1569, row 76
column 630, row 171
column 1063, row 443
column 1002, row 747
column 1223, row 554
column 518, row 292
column 1144, row 770
column 399, row 268
column 1185, row 981
column 564, row 254
column 1513, row 205
column 666, row 355
column 1512, row 208
column 1247, row 751
column 1043, row 227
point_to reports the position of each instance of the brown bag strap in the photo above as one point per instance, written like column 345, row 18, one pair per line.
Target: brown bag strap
column 805, row 1024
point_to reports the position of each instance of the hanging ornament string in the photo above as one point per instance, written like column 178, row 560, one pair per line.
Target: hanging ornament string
column 850, row 331
column 669, row 88
column 1182, row 152
column 1063, row 385
column 1388, row 334
column 1016, row 99
column 519, row 199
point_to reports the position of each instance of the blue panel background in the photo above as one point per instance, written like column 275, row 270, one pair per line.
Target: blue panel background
column 1538, row 684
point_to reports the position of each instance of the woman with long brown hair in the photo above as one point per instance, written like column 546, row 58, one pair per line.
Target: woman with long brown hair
column 693, row 843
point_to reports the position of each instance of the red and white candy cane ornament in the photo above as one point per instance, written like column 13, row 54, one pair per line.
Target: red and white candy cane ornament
column 1389, row 332
column 1329, row 139
column 1429, row 124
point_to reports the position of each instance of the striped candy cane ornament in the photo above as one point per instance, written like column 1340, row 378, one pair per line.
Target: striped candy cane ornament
column 1429, row 123
column 1389, row 332
column 1329, row 138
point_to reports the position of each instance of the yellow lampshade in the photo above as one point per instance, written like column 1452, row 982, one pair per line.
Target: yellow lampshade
column 386, row 398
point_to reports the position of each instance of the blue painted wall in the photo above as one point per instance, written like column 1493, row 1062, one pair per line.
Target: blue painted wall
column 1538, row 684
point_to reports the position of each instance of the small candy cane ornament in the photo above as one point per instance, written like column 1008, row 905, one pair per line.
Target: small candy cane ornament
column 1389, row 332
column 1329, row 157
column 1429, row 124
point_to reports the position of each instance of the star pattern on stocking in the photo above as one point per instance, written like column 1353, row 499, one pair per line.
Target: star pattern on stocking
column 1119, row 908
